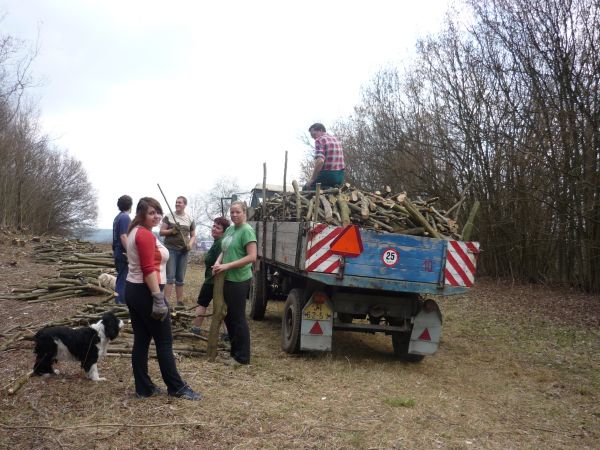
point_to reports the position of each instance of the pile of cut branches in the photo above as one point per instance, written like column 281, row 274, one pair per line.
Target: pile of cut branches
column 55, row 249
column 382, row 211
column 78, row 272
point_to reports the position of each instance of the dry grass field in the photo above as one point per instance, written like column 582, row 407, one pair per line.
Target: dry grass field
column 518, row 368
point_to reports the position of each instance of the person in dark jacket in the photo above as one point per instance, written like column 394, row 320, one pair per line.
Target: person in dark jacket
column 220, row 224
column 119, row 242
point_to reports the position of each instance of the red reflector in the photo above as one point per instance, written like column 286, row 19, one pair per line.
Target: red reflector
column 425, row 335
column 348, row 243
column 316, row 328
column 320, row 297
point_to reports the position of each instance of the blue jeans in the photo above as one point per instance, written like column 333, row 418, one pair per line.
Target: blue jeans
column 176, row 266
column 122, row 270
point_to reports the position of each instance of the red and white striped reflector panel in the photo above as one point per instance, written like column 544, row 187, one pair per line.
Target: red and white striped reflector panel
column 461, row 259
column 319, row 257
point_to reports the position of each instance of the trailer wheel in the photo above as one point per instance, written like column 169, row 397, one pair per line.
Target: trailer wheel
column 258, row 299
column 291, row 322
column 400, row 342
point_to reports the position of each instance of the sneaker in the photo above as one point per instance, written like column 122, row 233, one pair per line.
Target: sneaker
column 187, row 393
column 224, row 337
column 155, row 391
column 196, row 330
column 179, row 302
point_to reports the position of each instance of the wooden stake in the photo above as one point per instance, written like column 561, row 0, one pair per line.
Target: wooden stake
column 219, row 311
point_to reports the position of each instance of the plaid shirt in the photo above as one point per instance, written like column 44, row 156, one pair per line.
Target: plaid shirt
column 330, row 149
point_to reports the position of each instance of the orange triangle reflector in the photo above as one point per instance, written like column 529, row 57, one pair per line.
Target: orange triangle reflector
column 316, row 329
column 348, row 242
column 425, row 335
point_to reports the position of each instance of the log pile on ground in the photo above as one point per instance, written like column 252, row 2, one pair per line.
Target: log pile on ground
column 381, row 211
column 54, row 250
column 78, row 272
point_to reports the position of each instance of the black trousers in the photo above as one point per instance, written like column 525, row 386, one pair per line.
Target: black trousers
column 145, row 328
column 235, row 294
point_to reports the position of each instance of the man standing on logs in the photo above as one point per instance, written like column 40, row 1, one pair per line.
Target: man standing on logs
column 329, row 159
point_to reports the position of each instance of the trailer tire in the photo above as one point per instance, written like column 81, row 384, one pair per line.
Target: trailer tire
column 292, row 321
column 258, row 299
column 400, row 342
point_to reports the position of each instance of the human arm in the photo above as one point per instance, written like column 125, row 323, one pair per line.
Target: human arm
column 192, row 242
column 151, row 281
column 248, row 259
column 319, row 162
column 122, row 229
column 167, row 228
column 150, row 259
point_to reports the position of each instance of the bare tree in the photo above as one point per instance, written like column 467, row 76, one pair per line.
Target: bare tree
column 41, row 187
column 204, row 208
column 508, row 104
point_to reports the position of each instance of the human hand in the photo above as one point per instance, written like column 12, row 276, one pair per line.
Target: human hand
column 218, row 268
column 160, row 309
column 188, row 246
column 174, row 230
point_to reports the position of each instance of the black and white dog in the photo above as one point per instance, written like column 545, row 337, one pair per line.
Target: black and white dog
column 86, row 345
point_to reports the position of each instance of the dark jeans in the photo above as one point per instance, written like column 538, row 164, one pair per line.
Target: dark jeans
column 122, row 270
column 328, row 179
column 235, row 294
column 145, row 328
column 206, row 294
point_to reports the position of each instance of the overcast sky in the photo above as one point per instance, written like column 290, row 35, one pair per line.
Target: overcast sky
column 184, row 93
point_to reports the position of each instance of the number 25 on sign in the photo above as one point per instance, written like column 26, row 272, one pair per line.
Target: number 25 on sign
column 390, row 257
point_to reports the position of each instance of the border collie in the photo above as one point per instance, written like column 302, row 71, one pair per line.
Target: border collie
column 85, row 344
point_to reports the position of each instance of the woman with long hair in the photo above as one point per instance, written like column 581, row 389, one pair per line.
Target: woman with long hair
column 148, row 310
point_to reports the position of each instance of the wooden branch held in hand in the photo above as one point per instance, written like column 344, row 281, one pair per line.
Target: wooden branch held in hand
column 219, row 311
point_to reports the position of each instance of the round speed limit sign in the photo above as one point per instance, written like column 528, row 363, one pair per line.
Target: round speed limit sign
column 390, row 257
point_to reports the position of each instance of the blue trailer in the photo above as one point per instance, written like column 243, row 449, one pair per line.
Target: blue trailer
column 353, row 279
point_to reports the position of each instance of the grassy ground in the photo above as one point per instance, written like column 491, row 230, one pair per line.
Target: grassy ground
column 518, row 367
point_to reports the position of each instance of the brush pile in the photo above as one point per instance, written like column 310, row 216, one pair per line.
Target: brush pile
column 78, row 272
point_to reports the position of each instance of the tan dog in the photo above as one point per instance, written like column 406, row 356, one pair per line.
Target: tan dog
column 107, row 280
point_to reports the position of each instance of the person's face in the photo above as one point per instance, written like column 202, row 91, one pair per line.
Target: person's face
column 216, row 231
column 315, row 134
column 152, row 218
column 179, row 205
column 237, row 214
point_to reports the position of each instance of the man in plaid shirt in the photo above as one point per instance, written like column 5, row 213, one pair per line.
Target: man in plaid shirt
column 329, row 159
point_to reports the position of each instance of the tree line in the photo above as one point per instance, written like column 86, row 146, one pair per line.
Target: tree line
column 42, row 189
column 503, row 106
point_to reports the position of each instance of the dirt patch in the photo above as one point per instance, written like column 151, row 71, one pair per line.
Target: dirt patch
column 518, row 368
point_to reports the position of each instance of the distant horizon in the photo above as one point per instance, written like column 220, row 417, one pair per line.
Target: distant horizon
column 104, row 236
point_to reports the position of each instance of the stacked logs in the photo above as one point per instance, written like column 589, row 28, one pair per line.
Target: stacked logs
column 394, row 213
column 53, row 249
column 78, row 273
